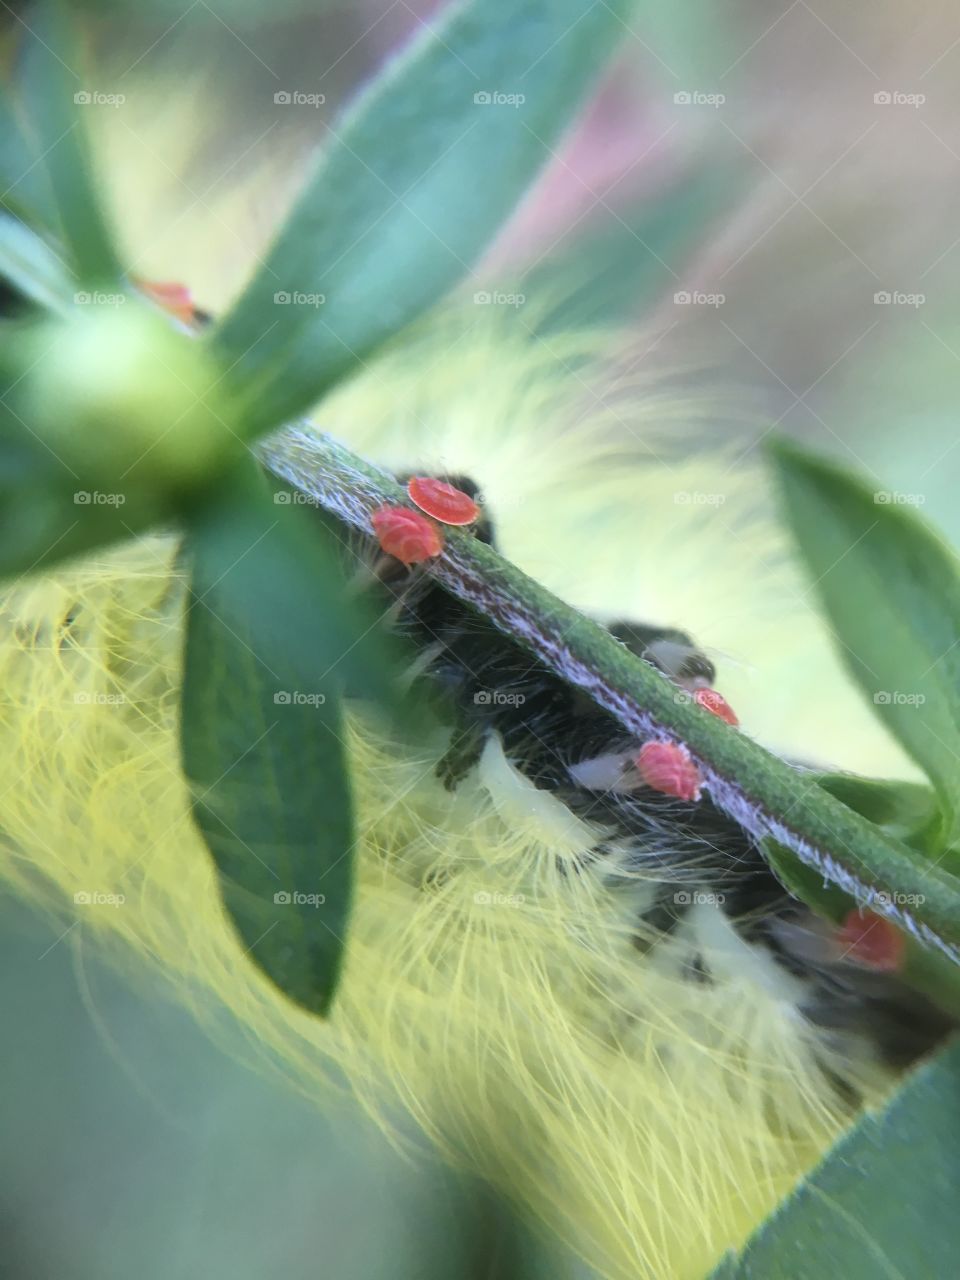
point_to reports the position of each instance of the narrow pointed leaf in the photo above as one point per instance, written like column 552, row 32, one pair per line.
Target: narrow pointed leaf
column 262, row 740
column 891, row 590
column 906, row 811
column 24, row 185
column 52, row 92
column 30, row 267
column 882, row 1202
column 415, row 182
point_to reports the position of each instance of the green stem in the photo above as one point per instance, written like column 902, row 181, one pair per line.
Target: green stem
column 759, row 791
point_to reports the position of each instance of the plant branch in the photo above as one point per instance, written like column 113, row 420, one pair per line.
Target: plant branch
column 767, row 797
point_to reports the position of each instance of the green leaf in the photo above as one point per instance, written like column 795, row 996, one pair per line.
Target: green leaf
column 30, row 266
column 413, row 187
column 883, row 1201
column 50, row 80
column 42, row 522
column 906, row 811
column 347, row 637
column 262, row 737
column 626, row 261
column 891, row 590
column 24, row 185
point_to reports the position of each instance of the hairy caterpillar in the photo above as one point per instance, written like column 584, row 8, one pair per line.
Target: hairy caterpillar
column 676, row 856
column 590, row 1027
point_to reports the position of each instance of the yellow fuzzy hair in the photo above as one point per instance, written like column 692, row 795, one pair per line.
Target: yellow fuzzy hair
column 648, row 1120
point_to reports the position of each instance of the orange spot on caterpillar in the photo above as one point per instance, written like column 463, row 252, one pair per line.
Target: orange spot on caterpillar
column 443, row 501
column 872, row 940
column 173, row 297
column 406, row 534
column 667, row 767
column 710, row 700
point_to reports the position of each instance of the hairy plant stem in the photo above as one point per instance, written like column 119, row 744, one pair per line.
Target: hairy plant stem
column 766, row 796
